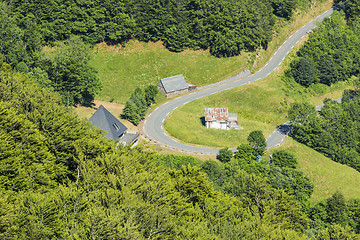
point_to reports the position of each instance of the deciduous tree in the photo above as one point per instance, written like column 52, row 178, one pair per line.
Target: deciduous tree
column 257, row 141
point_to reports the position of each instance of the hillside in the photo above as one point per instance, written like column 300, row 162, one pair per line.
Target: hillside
column 327, row 175
column 62, row 179
column 123, row 67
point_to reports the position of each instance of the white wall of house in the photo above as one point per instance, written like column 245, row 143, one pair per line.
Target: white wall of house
column 216, row 125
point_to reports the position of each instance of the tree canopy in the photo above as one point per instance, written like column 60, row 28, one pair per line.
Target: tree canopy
column 257, row 141
column 333, row 132
column 61, row 178
column 331, row 53
column 226, row 27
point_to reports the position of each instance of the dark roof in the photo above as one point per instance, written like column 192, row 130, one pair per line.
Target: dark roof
column 172, row 84
column 104, row 120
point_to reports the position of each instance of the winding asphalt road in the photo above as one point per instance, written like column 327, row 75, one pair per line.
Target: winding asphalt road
column 153, row 124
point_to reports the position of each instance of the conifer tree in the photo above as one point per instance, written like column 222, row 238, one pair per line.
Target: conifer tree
column 131, row 112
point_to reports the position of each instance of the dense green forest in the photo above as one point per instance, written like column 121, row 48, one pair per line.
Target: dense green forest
column 65, row 69
column 232, row 177
column 226, row 27
column 334, row 132
column 332, row 52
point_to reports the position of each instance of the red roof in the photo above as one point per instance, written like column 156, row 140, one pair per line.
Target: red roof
column 218, row 114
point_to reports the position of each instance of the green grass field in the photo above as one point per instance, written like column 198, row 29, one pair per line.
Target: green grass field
column 326, row 175
column 121, row 70
column 254, row 104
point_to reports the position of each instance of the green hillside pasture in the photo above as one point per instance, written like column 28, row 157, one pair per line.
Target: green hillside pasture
column 328, row 176
column 262, row 105
column 255, row 104
column 122, row 69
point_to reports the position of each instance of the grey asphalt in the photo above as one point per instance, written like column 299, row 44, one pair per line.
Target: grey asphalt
column 153, row 124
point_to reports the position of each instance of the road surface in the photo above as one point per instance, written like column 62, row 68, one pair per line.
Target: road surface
column 153, row 124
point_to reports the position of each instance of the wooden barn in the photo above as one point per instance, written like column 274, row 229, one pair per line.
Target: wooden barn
column 173, row 86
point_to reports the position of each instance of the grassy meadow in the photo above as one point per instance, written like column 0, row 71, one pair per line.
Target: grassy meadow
column 326, row 175
column 122, row 69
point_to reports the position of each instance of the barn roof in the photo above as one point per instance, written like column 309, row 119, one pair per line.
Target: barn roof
column 172, row 84
column 216, row 114
column 104, row 120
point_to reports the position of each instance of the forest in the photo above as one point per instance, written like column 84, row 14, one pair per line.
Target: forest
column 334, row 132
column 332, row 52
column 179, row 24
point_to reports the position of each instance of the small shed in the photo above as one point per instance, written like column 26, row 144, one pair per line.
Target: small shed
column 104, row 120
column 220, row 118
column 173, row 86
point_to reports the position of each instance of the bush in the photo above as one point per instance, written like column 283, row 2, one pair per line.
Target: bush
column 283, row 158
column 224, row 155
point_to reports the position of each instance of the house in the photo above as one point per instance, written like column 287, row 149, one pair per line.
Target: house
column 129, row 138
column 104, row 120
column 220, row 118
column 173, row 86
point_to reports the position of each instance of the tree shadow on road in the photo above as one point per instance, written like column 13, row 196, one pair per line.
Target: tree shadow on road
column 284, row 128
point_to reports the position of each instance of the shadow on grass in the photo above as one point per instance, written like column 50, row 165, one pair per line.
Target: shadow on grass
column 91, row 105
column 202, row 119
